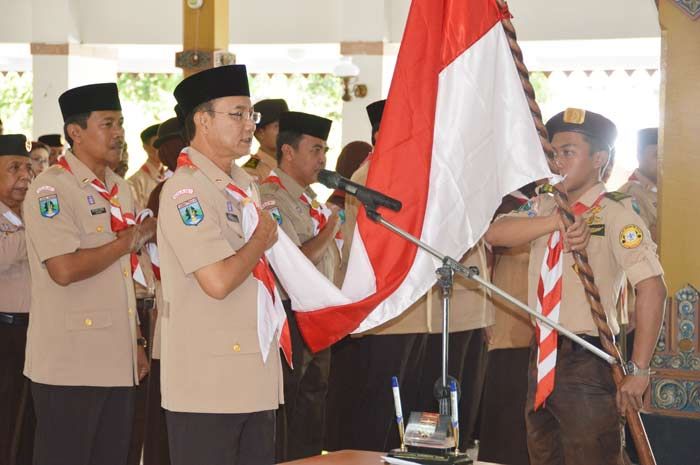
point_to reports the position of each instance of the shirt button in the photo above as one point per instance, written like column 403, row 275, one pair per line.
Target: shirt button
column 125, row 273
column 236, row 347
column 99, row 229
column 88, row 322
column 131, row 311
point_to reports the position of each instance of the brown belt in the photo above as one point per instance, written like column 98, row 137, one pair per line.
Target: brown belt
column 17, row 319
column 593, row 340
column 145, row 304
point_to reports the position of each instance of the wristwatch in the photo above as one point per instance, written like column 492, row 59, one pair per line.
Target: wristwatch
column 631, row 369
column 141, row 341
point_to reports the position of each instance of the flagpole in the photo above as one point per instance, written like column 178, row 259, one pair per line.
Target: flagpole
column 473, row 274
column 583, row 268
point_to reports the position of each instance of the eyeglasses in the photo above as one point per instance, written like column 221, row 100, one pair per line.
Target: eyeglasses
column 253, row 116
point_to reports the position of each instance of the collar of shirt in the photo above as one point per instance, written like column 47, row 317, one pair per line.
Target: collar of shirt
column 6, row 214
column 155, row 172
column 221, row 179
column 293, row 187
column 644, row 181
column 591, row 195
column 84, row 176
column 266, row 158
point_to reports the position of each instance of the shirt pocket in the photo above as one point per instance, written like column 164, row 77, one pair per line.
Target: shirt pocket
column 232, row 342
column 87, row 321
column 96, row 230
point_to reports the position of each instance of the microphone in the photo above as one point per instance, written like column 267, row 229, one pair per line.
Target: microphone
column 369, row 197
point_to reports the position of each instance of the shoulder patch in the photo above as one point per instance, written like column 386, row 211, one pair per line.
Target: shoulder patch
column 252, row 163
column 182, row 192
column 276, row 215
column 268, row 204
column 191, row 212
column 631, row 236
column 45, row 189
column 48, row 206
column 617, row 196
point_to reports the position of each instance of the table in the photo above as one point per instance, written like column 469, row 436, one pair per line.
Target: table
column 350, row 457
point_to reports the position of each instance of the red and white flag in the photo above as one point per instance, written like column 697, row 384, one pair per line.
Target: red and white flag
column 457, row 136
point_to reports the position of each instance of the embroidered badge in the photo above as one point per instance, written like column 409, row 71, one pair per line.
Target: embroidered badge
column 269, row 203
column 48, row 206
column 91, row 200
column 229, row 206
column 341, row 215
column 275, row 212
column 631, row 236
column 597, row 229
column 98, row 211
column 232, row 217
column 191, row 212
column 182, row 192
column 45, row 189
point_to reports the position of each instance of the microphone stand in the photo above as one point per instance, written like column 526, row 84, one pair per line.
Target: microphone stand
column 446, row 273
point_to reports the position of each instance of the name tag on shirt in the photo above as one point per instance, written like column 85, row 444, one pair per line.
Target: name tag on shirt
column 232, row 217
column 98, row 211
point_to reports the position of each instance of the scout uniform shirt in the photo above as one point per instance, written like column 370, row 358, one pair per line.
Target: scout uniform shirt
column 143, row 182
column 293, row 217
column 83, row 334
column 645, row 193
column 260, row 165
column 620, row 248
column 15, row 281
column 512, row 328
column 210, row 352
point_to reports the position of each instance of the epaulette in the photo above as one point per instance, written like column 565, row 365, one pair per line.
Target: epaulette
column 545, row 189
column 252, row 163
column 617, row 196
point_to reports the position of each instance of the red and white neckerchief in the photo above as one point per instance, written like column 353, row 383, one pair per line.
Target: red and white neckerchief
column 119, row 220
column 549, row 296
column 272, row 319
column 151, row 250
column 318, row 212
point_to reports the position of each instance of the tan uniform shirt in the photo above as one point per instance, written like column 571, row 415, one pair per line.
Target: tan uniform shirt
column 512, row 328
column 260, row 165
column 15, row 281
column 83, row 334
column 620, row 248
column 645, row 193
column 209, row 348
column 294, row 218
column 143, row 182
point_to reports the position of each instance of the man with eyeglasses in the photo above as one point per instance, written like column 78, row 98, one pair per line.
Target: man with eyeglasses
column 313, row 227
column 221, row 380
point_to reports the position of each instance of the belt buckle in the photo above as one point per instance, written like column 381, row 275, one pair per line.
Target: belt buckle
column 149, row 303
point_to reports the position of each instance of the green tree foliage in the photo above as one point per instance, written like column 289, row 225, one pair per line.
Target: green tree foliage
column 16, row 102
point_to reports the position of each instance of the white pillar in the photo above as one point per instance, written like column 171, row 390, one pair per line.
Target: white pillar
column 60, row 62
column 364, row 33
column 59, row 67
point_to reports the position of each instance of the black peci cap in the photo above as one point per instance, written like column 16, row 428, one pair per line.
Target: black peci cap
column 305, row 123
